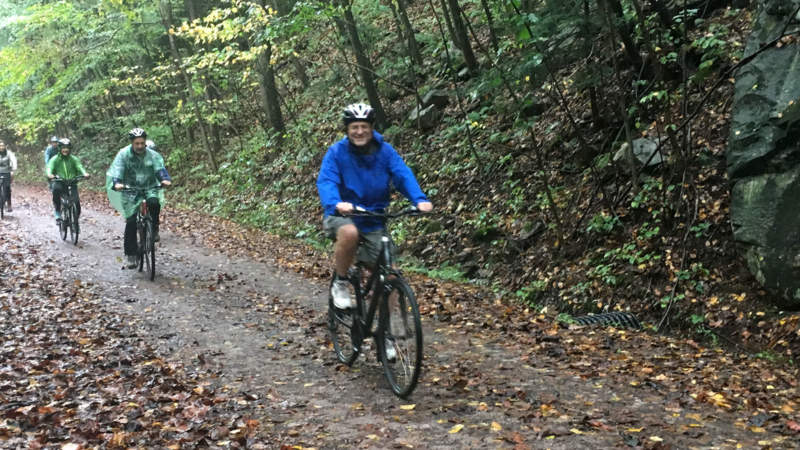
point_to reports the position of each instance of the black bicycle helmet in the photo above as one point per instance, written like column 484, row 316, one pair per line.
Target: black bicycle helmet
column 358, row 112
column 136, row 132
column 64, row 142
column 54, row 139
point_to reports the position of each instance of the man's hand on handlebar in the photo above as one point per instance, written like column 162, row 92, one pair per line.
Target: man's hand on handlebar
column 425, row 206
column 166, row 182
column 344, row 207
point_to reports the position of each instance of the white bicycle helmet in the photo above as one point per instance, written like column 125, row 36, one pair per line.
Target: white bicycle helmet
column 358, row 112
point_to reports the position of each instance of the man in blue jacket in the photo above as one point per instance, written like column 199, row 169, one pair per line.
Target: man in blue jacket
column 51, row 150
column 359, row 170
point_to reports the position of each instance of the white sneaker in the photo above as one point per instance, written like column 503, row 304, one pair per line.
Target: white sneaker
column 133, row 261
column 341, row 295
column 391, row 353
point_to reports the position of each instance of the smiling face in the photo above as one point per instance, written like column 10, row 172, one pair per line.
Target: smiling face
column 64, row 150
column 359, row 133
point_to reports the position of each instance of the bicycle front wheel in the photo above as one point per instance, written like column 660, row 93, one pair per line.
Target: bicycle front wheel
column 65, row 220
column 344, row 330
column 141, row 245
column 74, row 228
column 400, row 338
column 150, row 250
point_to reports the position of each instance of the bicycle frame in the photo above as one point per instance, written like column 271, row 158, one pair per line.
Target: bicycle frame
column 69, row 195
column 381, row 271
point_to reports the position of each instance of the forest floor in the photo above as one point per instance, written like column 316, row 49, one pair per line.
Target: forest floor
column 228, row 347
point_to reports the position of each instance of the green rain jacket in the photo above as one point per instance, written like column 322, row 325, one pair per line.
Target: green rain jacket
column 66, row 167
column 143, row 171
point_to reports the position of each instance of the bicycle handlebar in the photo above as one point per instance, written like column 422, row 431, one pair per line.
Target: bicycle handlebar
column 70, row 180
column 130, row 188
column 361, row 212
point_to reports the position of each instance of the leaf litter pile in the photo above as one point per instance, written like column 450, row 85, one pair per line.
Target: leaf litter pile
column 75, row 373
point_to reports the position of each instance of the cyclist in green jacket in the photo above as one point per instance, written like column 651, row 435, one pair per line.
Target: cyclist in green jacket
column 139, row 167
column 64, row 166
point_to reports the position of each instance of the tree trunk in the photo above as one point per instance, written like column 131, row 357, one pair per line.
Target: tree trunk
column 490, row 23
column 588, row 32
column 364, row 67
column 461, row 37
column 269, row 92
column 449, row 23
column 215, row 141
column 284, row 8
column 623, row 29
column 413, row 46
column 166, row 20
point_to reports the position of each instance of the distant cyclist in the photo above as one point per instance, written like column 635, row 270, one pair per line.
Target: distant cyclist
column 8, row 165
column 51, row 150
column 358, row 171
column 151, row 145
column 64, row 166
column 138, row 167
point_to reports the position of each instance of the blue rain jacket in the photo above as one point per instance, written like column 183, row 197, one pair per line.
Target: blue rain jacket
column 365, row 180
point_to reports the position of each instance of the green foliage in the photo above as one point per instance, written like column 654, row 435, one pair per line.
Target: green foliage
column 533, row 293
column 603, row 223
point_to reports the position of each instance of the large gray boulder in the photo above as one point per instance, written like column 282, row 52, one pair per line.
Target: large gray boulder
column 764, row 157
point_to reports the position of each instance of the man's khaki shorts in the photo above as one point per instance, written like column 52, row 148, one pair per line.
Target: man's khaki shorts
column 369, row 244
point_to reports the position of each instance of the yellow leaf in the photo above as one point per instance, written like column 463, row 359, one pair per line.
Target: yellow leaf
column 757, row 430
column 374, row 437
column 407, row 407
column 496, row 426
column 456, row 428
column 576, row 431
column 634, row 430
column 656, row 439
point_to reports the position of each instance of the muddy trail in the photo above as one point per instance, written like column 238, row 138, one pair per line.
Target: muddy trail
column 231, row 300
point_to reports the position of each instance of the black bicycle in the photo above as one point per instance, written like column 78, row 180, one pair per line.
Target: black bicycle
column 4, row 178
column 145, row 231
column 69, row 208
column 398, row 330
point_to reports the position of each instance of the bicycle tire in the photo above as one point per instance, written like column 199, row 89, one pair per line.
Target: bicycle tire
column 401, row 325
column 74, row 228
column 64, row 220
column 150, row 250
column 141, row 230
column 344, row 332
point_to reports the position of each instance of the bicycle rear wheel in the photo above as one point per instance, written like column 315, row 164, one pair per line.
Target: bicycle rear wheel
column 400, row 334
column 74, row 228
column 150, row 250
column 344, row 330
